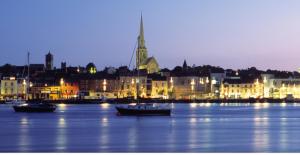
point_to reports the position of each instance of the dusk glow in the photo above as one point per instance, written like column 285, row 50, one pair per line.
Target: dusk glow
column 227, row 33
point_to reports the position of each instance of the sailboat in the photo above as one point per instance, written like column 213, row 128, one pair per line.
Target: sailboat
column 145, row 109
column 25, row 106
column 149, row 109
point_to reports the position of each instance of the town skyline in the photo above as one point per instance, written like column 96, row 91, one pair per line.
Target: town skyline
column 201, row 37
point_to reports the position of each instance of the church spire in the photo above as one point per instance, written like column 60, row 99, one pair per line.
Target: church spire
column 141, row 53
column 141, row 39
column 141, row 28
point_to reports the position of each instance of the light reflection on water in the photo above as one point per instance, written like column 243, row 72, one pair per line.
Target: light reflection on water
column 24, row 138
column 61, row 136
column 197, row 127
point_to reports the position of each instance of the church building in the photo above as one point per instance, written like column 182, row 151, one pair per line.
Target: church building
column 142, row 59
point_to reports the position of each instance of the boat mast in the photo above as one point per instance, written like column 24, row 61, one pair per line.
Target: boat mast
column 138, row 78
column 28, row 76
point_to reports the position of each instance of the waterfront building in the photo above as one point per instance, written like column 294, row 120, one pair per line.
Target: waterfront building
column 12, row 88
column 98, row 86
column 241, row 89
column 49, row 61
column 280, row 88
column 189, row 87
column 157, row 86
column 45, row 92
column 142, row 59
column 69, row 88
column 128, row 86
column 216, row 81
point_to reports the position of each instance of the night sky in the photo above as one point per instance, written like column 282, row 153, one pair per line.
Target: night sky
column 227, row 33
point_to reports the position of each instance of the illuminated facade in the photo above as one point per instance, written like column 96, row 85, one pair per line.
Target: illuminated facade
column 98, row 88
column 128, row 86
column 45, row 92
column 69, row 89
column 12, row 88
column 241, row 89
column 189, row 87
column 282, row 88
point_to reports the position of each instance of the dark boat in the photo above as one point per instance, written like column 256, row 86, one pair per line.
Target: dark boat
column 143, row 109
column 23, row 106
column 35, row 107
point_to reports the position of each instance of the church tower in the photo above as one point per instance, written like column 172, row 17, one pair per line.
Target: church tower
column 49, row 61
column 141, row 53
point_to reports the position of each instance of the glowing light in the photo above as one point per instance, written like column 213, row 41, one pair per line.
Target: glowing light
column 207, row 80
column 24, row 121
column 206, row 119
column 201, row 81
column 261, row 105
column 208, row 104
column 193, row 120
column 104, row 120
column 171, row 80
column 193, row 82
column 104, row 85
column 62, row 106
column 265, row 79
column 283, row 104
column 62, row 122
column 193, row 105
column 265, row 105
column 105, row 105
column 62, row 81
column 132, row 104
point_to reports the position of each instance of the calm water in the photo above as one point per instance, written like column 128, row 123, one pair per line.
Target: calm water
column 191, row 128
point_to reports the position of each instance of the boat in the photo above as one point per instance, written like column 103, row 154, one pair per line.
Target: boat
column 34, row 107
column 144, row 110
column 25, row 106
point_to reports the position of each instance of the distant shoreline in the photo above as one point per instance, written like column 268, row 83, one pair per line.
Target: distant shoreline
column 127, row 101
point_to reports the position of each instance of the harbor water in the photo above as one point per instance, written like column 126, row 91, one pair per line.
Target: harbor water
column 195, row 127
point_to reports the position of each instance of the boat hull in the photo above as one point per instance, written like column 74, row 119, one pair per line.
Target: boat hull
column 31, row 109
column 140, row 112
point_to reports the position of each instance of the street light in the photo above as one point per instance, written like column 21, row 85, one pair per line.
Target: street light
column 62, row 81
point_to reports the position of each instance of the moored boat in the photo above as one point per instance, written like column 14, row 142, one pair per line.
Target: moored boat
column 144, row 109
column 34, row 107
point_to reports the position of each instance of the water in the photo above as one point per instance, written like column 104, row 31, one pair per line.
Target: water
column 199, row 127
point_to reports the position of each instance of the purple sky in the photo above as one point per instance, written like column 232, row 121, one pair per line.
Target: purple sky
column 227, row 33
